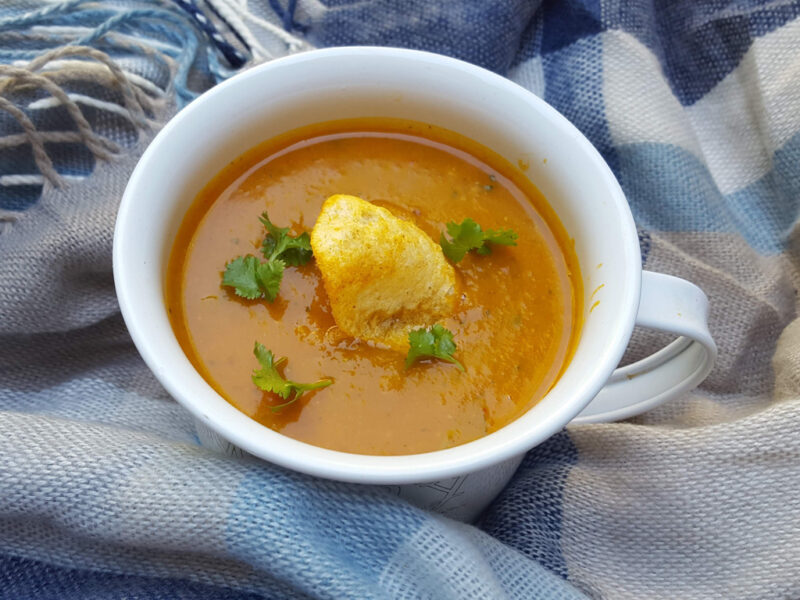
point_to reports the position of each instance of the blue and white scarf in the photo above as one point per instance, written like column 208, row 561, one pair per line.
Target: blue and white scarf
column 105, row 491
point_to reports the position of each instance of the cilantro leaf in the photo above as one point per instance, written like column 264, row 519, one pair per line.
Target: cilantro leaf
column 436, row 342
column 253, row 279
column 504, row 237
column 240, row 274
column 278, row 243
column 268, row 379
column 298, row 250
column 469, row 236
column 269, row 276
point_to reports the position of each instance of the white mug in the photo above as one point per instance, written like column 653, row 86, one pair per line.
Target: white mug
column 341, row 83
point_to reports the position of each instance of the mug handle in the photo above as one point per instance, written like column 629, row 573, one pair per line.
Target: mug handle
column 672, row 305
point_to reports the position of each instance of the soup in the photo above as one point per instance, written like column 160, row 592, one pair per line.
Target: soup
column 515, row 317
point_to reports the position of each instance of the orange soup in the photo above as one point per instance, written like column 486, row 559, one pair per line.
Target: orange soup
column 516, row 315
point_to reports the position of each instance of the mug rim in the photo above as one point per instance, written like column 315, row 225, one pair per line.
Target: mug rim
column 259, row 440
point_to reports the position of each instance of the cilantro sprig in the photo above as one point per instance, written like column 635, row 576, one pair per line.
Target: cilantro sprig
column 436, row 342
column 252, row 279
column 268, row 379
column 469, row 236
column 279, row 245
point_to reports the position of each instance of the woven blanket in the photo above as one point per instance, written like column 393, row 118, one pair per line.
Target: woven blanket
column 105, row 491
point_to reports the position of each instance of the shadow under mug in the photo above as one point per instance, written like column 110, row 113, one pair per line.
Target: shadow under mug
column 345, row 83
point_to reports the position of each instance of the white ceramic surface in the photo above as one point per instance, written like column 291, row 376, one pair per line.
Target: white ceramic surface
column 370, row 82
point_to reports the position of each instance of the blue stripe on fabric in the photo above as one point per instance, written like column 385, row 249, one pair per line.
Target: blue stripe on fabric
column 24, row 579
column 530, row 43
column 287, row 16
column 669, row 189
column 567, row 22
column 235, row 58
column 316, row 535
column 768, row 209
column 19, row 197
column 528, row 514
column 18, row 160
column 289, row 22
column 697, row 43
column 574, row 86
column 483, row 33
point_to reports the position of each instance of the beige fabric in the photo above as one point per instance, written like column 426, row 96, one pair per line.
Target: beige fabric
column 683, row 501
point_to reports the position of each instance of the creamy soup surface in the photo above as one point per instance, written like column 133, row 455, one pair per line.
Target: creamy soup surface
column 515, row 319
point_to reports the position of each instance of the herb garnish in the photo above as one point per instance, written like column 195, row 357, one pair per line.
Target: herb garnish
column 278, row 244
column 436, row 342
column 469, row 236
column 268, row 379
column 252, row 279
